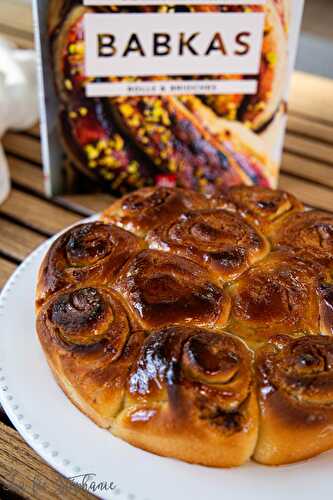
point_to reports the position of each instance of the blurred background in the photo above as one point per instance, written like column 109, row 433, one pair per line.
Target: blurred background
column 315, row 53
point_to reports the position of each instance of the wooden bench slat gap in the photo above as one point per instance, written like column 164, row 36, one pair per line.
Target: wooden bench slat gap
column 310, row 170
column 16, row 241
column 37, row 214
column 311, row 194
column 16, row 143
column 308, row 136
column 310, row 118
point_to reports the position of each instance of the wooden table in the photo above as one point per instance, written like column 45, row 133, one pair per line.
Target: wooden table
column 27, row 219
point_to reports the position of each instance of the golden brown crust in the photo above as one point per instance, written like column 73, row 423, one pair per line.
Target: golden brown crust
column 135, row 336
column 87, row 253
column 147, row 208
column 192, row 399
column 295, row 385
column 88, row 337
column 264, row 207
column 312, row 230
column 163, row 289
column 221, row 241
column 278, row 295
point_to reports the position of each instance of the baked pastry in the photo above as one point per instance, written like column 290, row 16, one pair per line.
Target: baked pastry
column 129, row 142
column 295, row 383
column 197, row 328
column 147, row 208
column 219, row 240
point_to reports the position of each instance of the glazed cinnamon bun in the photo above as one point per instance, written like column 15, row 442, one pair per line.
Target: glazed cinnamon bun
column 87, row 253
column 147, row 208
column 295, row 385
column 277, row 295
column 191, row 395
column 221, row 241
column 90, row 342
column 311, row 229
column 163, row 289
column 263, row 207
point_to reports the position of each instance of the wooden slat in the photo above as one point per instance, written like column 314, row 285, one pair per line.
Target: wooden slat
column 26, row 175
column 90, row 203
column 312, row 96
column 36, row 213
column 6, row 270
column 309, row 148
column 35, row 131
column 29, row 176
column 309, row 193
column 25, row 474
column 309, row 128
column 311, row 170
column 23, row 145
column 17, row 241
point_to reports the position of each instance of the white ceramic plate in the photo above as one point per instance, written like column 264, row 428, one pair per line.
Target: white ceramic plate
column 74, row 446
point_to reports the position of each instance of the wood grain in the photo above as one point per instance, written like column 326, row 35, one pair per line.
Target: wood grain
column 311, row 194
column 304, row 168
column 16, row 241
column 18, row 144
column 309, row 148
column 36, row 213
column 26, row 174
column 309, row 128
column 24, row 473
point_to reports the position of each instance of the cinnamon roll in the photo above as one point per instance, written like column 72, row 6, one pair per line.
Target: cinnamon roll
column 171, row 336
column 190, row 395
column 219, row 240
column 263, row 207
column 164, row 289
column 277, row 295
column 312, row 230
column 295, row 386
column 87, row 253
column 149, row 207
column 90, row 342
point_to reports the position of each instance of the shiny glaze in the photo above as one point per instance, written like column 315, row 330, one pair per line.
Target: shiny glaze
column 163, row 289
column 84, row 254
column 217, row 239
column 277, row 295
column 210, row 370
column 148, row 207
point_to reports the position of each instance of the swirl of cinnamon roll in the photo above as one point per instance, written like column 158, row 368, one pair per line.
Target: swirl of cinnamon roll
column 163, row 289
column 147, row 208
column 87, row 336
column 277, row 295
column 309, row 230
column 192, row 385
column 84, row 254
column 217, row 239
column 264, row 207
column 295, row 382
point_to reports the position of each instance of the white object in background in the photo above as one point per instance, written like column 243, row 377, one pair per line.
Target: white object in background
column 18, row 98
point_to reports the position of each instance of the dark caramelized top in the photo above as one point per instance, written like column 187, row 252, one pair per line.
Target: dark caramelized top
column 263, row 206
column 87, row 253
column 145, row 209
column 301, row 368
column 163, row 289
column 217, row 239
